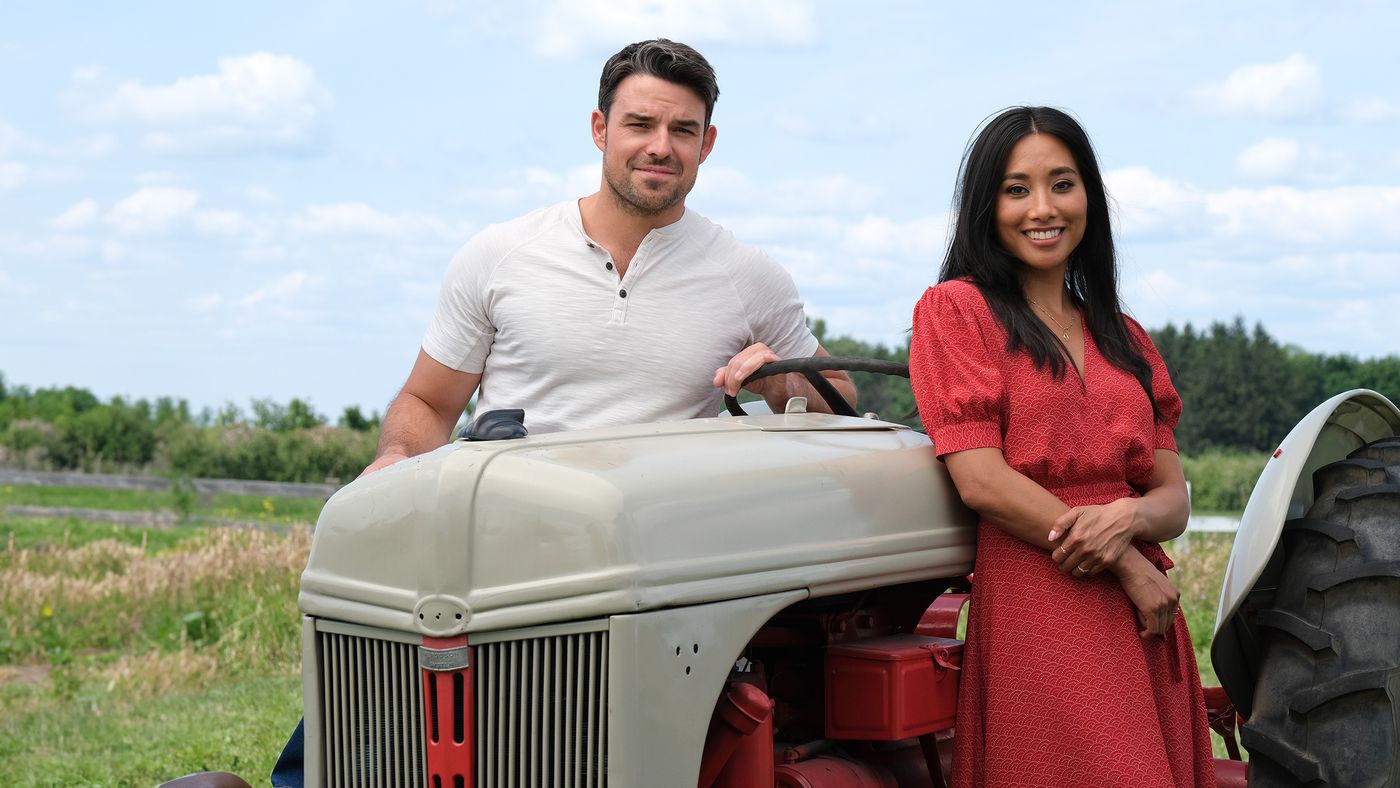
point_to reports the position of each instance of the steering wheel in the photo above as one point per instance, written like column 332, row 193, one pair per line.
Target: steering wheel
column 811, row 368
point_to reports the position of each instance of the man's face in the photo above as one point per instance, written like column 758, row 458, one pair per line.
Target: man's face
column 653, row 140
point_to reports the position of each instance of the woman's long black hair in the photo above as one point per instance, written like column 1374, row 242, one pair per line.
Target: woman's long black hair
column 976, row 251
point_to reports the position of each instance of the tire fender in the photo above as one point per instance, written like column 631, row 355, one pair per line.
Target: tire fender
column 1284, row 490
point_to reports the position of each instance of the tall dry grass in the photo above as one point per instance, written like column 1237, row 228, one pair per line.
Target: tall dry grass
column 142, row 622
column 1200, row 560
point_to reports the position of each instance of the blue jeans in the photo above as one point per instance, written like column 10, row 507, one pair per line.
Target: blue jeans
column 288, row 771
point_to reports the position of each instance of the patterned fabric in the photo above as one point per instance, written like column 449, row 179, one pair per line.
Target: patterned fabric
column 1057, row 689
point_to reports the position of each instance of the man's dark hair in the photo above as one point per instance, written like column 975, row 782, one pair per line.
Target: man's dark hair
column 663, row 59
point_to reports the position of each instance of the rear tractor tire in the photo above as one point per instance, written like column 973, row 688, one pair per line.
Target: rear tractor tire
column 1327, row 701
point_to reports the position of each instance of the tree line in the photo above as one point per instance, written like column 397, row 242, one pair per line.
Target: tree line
column 1241, row 392
column 69, row 428
column 1241, row 389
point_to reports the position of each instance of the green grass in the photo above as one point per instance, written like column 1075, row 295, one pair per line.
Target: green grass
column 99, row 739
column 1200, row 560
column 46, row 532
column 275, row 509
column 132, row 655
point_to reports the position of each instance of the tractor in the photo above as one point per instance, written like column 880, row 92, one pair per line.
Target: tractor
column 773, row 600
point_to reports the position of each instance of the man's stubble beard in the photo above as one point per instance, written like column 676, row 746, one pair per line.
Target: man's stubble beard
column 636, row 203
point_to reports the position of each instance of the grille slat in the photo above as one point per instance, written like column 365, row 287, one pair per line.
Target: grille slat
column 372, row 713
column 540, row 711
column 541, row 722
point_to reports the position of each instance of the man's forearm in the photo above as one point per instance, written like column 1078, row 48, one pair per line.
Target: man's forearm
column 784, row 387
column 412, row 427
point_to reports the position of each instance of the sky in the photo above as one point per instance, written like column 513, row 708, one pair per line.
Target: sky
column 227, row 201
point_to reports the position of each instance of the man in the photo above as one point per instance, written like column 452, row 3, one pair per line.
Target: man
column 618, row 307
column 612, row 309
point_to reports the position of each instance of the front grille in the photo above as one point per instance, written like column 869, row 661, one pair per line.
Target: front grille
column 541, row 712
column 372, row 707
column 540, row 717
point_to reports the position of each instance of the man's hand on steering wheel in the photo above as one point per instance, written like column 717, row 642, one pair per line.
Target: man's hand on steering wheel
column 731, row 376
column 834, row 393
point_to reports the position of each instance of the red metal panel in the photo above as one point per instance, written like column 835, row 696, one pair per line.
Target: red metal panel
column 828, row 772
column 891, row 688
column 941, row 618
column 449, row 720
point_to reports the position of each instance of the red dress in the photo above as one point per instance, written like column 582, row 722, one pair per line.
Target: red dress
column 1057, row 689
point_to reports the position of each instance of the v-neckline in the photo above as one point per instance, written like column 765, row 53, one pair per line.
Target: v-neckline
column 1080, row 369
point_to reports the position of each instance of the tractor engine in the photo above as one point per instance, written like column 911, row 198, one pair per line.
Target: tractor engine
column 842, row 692
column 719, row 602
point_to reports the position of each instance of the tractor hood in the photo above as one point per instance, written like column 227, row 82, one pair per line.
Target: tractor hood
column 481, row 536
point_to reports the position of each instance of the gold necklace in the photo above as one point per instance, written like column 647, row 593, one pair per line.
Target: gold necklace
column 1064, row 329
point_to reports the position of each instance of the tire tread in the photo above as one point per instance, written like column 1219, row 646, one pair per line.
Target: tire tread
column 1329, row 671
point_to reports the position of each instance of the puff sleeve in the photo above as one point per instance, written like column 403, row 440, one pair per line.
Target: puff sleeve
column 1163, row 392
column 955, row 367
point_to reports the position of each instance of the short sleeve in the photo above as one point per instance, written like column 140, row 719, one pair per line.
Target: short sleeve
column 955, row 359
column 775, row 312
column 1163, row 392
column 461, row 332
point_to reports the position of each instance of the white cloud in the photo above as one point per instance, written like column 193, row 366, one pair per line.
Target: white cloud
column 152, row 209
column 97, row 147
column 1283, row 213
column 1269, row 158
column 1148, row 202
column 157, row 178
column 574, row 26
column 263, row 254
column 359, row 219
column 206, row 303
column 846, row 124
column 261, row 194
column 766, row 228
column 1288, row 89
column 79, row 215
column 280, row 290
column 822, row 193
column 535, row 186
column 15, row 143
column 260, row 101
column 1371, row 110
column 578, row 180
column 12, row 175
column 1347, row 218
column 11, row 139
column 807, row 195
column 222, row 223
column 114, row 252
column 924, row 238
column 810, row 270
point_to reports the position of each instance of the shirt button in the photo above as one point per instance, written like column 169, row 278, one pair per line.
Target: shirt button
column 622, row 293
column 609, row 265
column 592, row 245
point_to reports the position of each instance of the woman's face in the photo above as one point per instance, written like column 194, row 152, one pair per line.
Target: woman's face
column 1042, row 206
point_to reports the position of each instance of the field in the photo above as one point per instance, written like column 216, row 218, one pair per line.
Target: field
column 131, row 655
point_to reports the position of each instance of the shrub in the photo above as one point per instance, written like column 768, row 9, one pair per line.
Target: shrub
column 1222, row 480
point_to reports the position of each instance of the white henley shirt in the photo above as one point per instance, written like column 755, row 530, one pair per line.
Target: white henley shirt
column 536, row 307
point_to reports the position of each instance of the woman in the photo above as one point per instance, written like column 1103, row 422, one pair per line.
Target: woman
column 1054, row 415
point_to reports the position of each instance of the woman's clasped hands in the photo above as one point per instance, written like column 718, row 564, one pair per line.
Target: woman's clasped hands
column 1094, row 538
